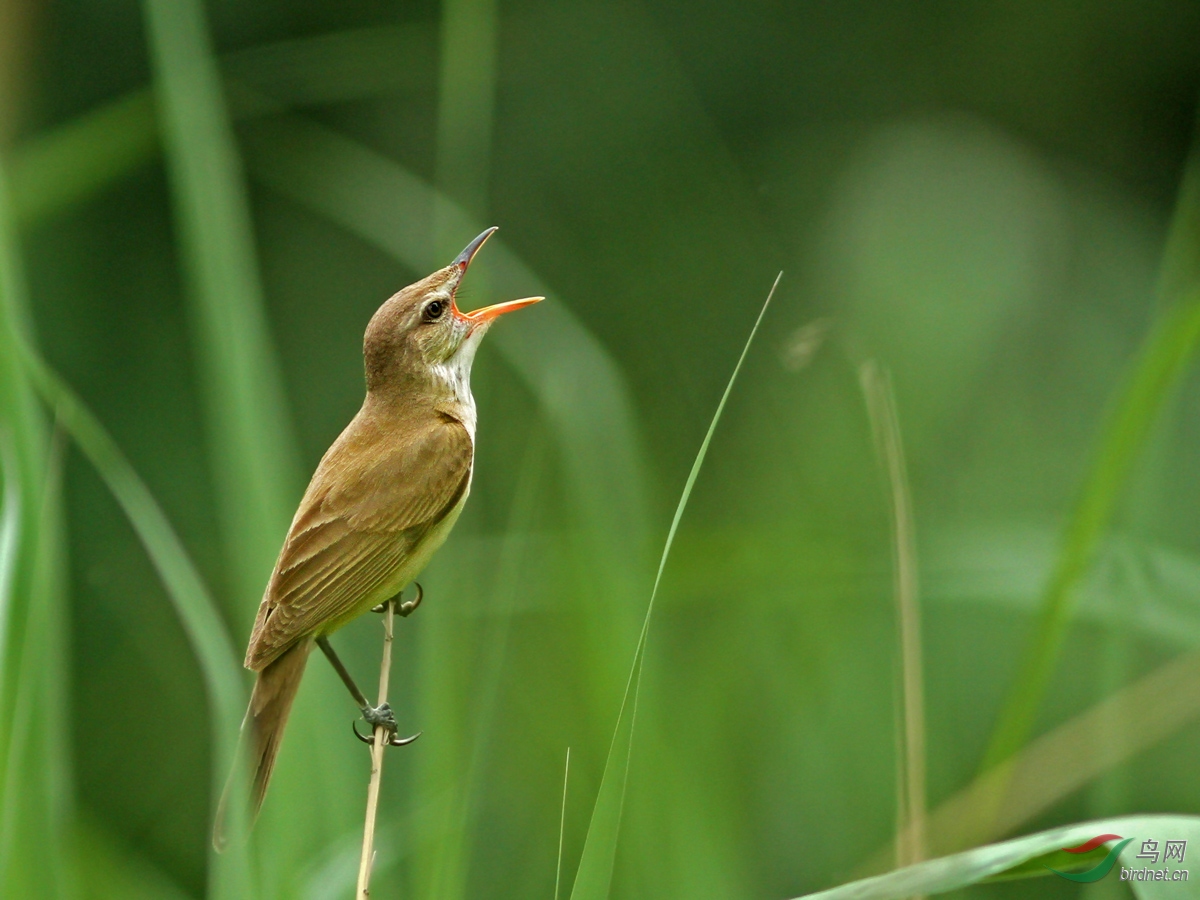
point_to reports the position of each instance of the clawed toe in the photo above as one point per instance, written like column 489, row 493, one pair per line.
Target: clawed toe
column 393, row 741
column 405, row 609
column 382, row 717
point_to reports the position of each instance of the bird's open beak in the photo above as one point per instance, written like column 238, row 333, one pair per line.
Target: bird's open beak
column 488, row 313
column 464, row 259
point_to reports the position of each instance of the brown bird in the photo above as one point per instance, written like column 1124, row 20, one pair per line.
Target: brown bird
column 382, row 500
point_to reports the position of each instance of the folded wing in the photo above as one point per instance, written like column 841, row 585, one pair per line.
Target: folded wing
column 372, row 501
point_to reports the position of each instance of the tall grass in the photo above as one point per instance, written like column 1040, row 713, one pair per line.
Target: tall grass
column 214, row 225
column 35, row 782
column 593, row 879
column 466, row 87
column 911, row 770
column 193, row 603
column 254, row 455
column 761, row 764
column 1162, row 360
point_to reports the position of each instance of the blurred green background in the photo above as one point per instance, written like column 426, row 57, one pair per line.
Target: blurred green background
column 204, row 203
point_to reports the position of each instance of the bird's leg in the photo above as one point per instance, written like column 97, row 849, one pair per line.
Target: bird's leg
column 375, row 715
column 405, row 609
column 347, row 678
column 382, row 714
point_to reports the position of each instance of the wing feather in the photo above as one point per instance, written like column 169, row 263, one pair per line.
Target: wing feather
column 375, row 497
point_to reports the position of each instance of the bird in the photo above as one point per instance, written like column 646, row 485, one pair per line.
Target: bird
column 382, row 500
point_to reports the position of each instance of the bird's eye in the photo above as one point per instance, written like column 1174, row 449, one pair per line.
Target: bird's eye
column 433, row 311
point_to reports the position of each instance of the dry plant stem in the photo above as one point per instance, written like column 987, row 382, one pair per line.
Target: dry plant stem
column 381, row 744
column 885, row 426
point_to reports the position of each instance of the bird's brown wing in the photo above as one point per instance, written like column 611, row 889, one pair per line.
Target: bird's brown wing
column 370, row 503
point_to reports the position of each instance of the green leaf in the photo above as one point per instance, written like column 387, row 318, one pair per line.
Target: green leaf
column 982, row 864
column 594, row 875
column 195, row 608
column 1132, row 586
column 116, row 872
column 256, row 465
column 67, row 165
column 1164, row 357
column 58, row 169
column 35, row 800
column 1060, row 860
column 252, row 449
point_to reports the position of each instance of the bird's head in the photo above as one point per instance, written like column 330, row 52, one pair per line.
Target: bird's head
column 419, row 336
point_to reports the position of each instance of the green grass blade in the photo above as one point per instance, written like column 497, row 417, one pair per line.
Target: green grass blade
column 1164, row 357
column 562, row 825
column 594, row 876
column 116, row 872
column 256, row 464
column 25, row 438
column 69, row 164
column 195, row 607
column 1181, row 255
column 468, row 45
column 961, row 870
column 876, row 383
column 37, row 769
column 339, row 66
column 57, row 170
column 34, row 768
column 466, row 86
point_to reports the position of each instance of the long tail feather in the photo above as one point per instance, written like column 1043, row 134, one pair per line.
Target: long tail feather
column 266, row 717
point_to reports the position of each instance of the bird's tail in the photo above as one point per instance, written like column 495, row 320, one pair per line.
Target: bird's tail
column 265, row 719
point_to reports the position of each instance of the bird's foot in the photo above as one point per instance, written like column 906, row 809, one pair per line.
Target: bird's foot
column 378, row 716
column 382, row 717
column 406, row 608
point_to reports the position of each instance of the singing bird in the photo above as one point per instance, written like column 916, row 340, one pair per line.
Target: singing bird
column 382, row 500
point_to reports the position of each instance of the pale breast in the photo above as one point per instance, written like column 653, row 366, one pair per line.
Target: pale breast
column 411, row 565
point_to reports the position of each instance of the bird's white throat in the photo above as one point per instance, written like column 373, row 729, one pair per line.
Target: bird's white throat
column 454, row 376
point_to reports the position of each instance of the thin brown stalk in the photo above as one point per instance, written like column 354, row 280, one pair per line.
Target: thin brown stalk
column 382, row 737
column 910, row 738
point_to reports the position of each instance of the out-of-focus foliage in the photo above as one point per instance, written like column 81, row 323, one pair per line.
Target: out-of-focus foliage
column 201, row 204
